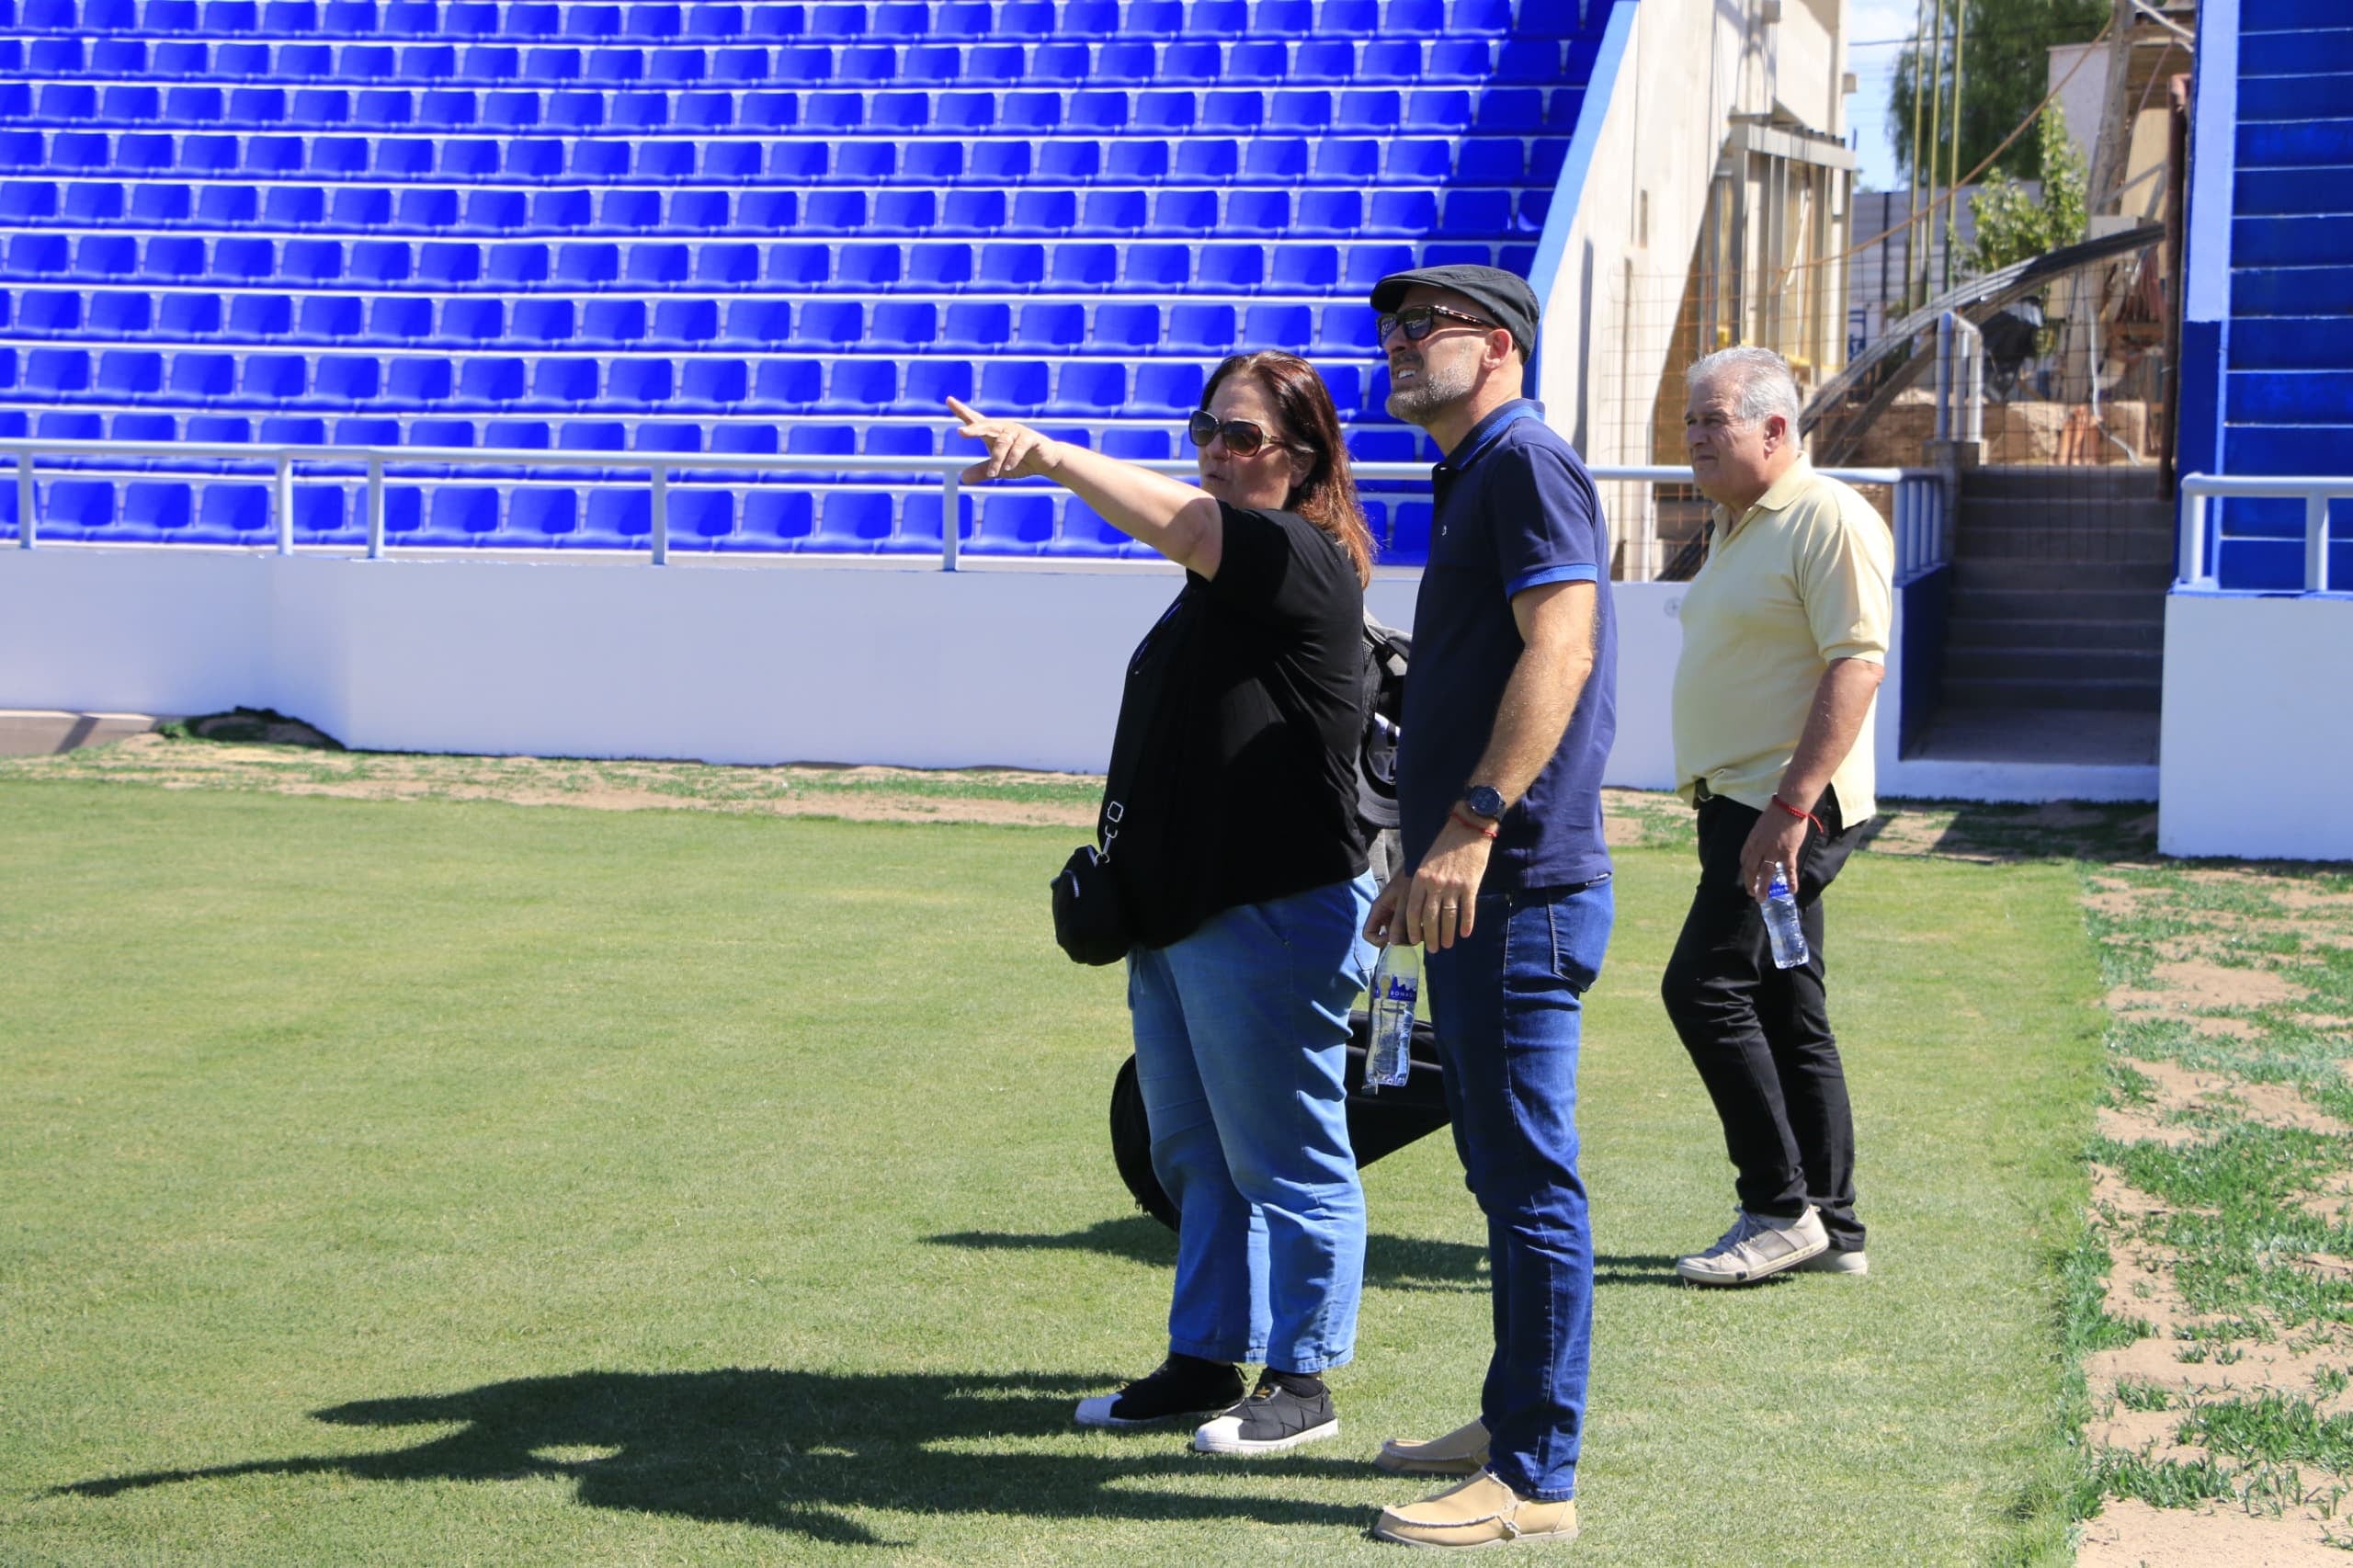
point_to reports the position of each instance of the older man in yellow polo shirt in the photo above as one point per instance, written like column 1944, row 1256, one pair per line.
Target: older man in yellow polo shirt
column 1785, row 633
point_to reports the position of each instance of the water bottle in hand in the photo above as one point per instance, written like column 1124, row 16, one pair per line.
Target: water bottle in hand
column 1396, row 983
column 1780, row 908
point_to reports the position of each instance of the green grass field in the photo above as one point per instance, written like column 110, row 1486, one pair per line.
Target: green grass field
column 468, row 1184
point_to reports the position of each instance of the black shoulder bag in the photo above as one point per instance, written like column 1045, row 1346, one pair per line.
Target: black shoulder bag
column 1087, row 922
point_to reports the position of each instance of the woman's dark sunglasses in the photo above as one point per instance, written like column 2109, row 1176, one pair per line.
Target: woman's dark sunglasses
column 1241, row 437
column 1419, row 322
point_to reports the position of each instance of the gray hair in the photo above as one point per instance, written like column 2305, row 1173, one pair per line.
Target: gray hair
column 1760, row 381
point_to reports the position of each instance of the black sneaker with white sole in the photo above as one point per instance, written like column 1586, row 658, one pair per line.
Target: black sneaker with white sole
column 1273, row 1418
column 1180, row 1386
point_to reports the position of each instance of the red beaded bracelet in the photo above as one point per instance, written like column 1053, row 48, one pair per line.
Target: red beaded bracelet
column 1804, row 817
column 1474, row 824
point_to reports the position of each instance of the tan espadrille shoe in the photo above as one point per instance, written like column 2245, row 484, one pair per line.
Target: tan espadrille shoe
column 1482, row 1511
column 1462, row 1451
column 1756, row 1248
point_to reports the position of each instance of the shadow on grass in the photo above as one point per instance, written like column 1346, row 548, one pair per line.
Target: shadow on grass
column 1634, row 1268
column 1391, row 1262
column 783, row 1450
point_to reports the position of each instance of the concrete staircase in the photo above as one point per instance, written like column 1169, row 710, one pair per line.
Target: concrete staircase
column 2059, row 591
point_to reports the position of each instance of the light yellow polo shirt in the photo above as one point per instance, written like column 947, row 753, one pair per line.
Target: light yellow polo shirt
column 1803, row 577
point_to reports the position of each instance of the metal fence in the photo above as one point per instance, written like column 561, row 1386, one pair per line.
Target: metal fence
column 1917, row 519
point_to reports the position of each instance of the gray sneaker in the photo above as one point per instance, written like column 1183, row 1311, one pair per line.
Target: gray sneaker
column 1757, row 1246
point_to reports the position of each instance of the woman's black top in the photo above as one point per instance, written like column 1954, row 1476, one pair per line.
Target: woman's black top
column 1234, row 767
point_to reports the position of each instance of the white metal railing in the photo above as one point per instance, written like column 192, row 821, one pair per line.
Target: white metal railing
column 1960, row 379
column 2196, row 563
column 1920, row 536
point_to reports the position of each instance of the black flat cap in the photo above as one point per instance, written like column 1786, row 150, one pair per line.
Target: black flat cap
column 1505, row 296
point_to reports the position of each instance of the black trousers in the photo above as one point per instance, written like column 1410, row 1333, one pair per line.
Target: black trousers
column 1760, row 1036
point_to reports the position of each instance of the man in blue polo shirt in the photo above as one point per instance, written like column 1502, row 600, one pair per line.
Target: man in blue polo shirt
column 1509, row 713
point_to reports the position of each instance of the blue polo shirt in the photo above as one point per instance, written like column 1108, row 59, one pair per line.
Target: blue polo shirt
column 1515, row 509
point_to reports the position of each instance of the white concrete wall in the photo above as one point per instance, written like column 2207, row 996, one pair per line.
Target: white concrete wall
column 816, row 661
column 758, row 663
column 2257, row 735
column 1648, row 139
column 795, row 662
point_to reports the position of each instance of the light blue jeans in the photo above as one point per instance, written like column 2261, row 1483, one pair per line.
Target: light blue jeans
column 1242, row 1034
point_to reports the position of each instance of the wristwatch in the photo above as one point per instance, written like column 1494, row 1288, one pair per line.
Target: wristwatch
column 1485, row 800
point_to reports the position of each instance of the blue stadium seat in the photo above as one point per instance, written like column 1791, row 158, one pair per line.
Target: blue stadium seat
column 1200, row 329
column 121, row 312
column 460, row 511
column 465, row 320
column 972, row 324
column 759, row 322
column 543, row 512
column 854, row 519
column 858, row 385
column 1013, row 522
column 933, row 382
column 1135, row 326
column 1137, row 446
column 919, row 522
column 234, row 511
column 77, row 507
column 533, row 321
column 1051, row 327
column 685, row 321
column 788, row 385
column 1092, row 387
column 1173, row 388
column 831, row 323
column 775, row 516
column 1286, row 327
column 156, row 509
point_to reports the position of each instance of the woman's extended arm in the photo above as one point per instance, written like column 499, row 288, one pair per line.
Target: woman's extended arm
column 1173, row 518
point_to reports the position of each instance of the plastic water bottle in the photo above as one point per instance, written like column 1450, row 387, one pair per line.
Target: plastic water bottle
column 1396, row 983
column 1780, row 907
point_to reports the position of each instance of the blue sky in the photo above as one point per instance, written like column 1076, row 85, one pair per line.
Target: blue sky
column 1870, row 25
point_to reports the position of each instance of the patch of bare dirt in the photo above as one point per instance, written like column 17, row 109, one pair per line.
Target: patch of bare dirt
column 2130, row 1534
column 865, row 793
column 2194, row 983
column 2223, row 970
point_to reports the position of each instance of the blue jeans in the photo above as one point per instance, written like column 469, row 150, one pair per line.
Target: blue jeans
column 1242, row 1034
column 1507, row 1002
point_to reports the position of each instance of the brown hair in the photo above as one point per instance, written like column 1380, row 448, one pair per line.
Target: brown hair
column 1327, row 496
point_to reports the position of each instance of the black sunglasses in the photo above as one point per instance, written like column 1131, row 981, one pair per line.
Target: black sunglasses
column 1420, row 321
column 1241, row 437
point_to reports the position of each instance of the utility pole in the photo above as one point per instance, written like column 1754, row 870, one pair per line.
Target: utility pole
column 1952, row 181
column 1912, row 227
column 1936, row 139
column 2113, row 149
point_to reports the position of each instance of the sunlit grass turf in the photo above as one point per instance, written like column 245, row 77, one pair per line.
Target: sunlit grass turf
column 442, row 1183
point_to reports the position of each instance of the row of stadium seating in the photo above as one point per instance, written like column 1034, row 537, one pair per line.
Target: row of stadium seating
column 764, row 18
column 219, row 379
column 1303, row 110
column 1104, row 63
column 1468, row 160
column 639, row 431
column 1015, row 266
column 1295, row 212
column 1059, row 327
column 1011, row 522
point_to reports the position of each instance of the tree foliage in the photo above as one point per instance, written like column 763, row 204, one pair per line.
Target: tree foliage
column 2005, row 70
column 2014, row 222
